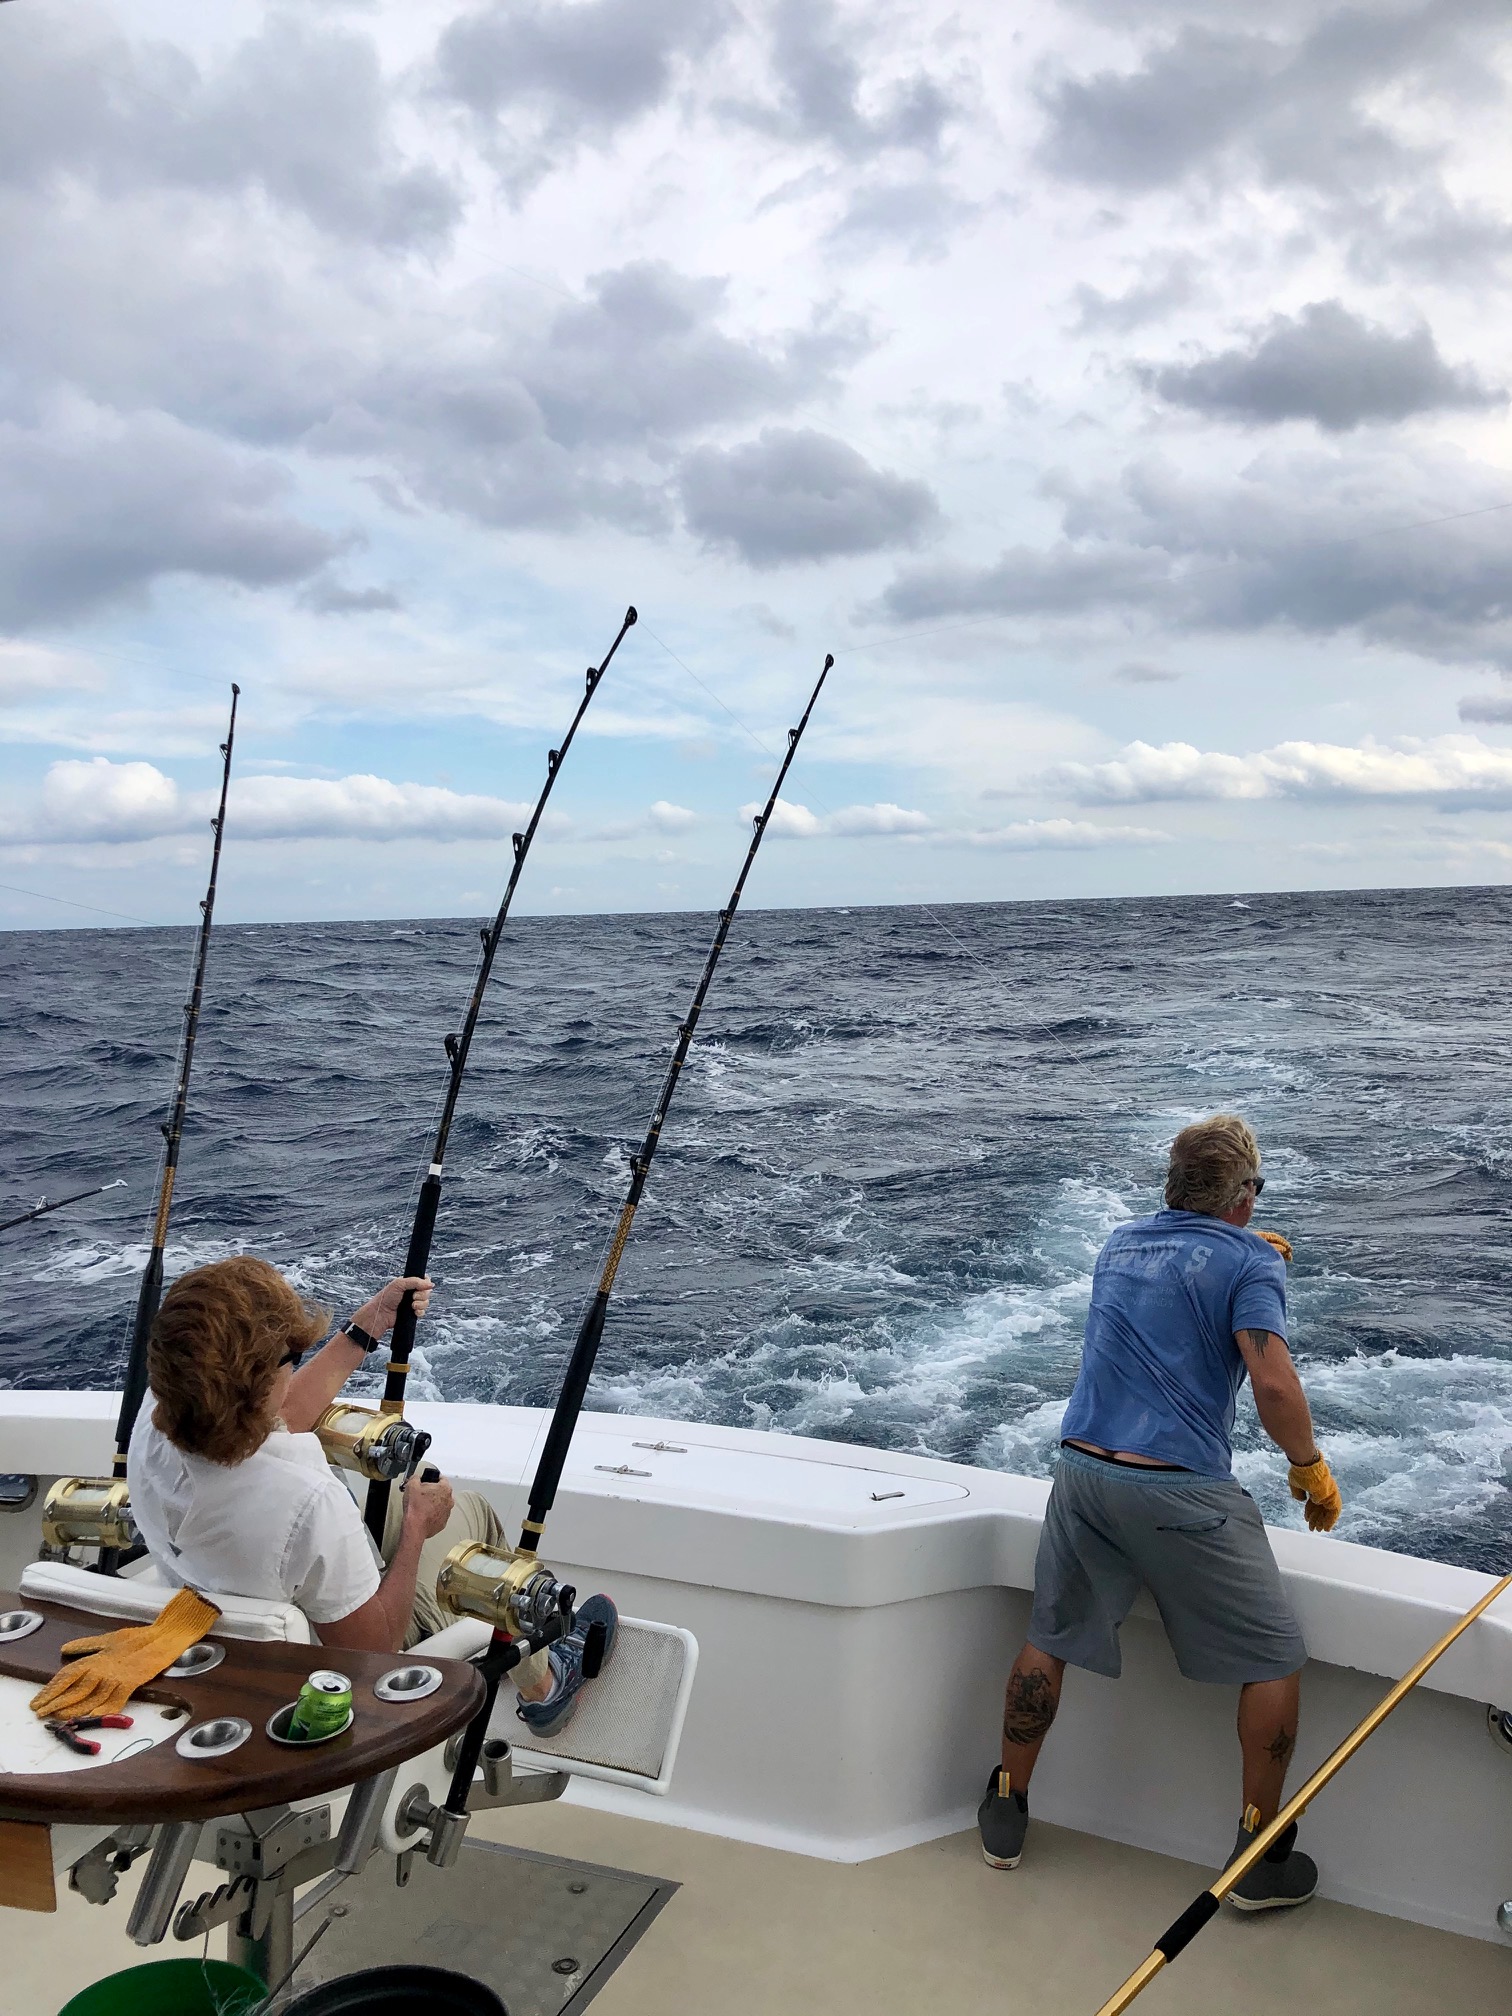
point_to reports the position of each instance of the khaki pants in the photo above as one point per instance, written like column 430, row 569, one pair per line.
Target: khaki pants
column 472, row 1518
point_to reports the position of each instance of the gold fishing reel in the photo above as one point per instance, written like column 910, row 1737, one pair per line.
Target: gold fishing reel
column 88, row 1512
column 514, row 1592
column 381, row 1447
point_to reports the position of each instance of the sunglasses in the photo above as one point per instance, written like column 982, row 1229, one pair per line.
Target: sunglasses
column 292, row 1356
column 1256, row 1183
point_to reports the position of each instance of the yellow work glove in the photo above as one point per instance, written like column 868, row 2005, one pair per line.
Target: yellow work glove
column 118, row 1662
column 1282, row 1246
column 1313, row 1486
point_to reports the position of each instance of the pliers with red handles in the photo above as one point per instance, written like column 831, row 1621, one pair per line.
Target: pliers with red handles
column 81, row 1745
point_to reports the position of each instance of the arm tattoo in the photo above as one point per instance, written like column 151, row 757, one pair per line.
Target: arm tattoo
column 1283, row 1745
column 1257, row 1340
column 1029, row 1709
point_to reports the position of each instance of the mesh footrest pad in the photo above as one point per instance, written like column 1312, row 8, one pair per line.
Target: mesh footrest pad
column 629, row 1721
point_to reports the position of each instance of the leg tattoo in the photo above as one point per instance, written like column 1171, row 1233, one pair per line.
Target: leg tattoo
column 1280, row 1749
column 1029, row 1709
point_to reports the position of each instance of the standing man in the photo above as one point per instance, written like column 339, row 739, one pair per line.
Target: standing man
column 1184, row 1304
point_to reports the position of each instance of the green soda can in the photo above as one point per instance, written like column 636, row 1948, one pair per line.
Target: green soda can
column 325, row 1702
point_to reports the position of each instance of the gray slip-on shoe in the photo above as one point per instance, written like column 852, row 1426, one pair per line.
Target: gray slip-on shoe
column 1283, row 1876
column 1003, row 1818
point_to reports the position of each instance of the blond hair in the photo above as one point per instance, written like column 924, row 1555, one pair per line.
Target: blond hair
column 1211, row 1161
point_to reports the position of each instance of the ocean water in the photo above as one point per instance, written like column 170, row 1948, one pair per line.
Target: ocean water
column 898, row 1145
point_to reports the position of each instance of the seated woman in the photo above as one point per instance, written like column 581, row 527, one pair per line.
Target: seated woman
column 233, row 1493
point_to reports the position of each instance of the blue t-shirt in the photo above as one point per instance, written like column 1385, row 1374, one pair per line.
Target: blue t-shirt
column 1160, row 1370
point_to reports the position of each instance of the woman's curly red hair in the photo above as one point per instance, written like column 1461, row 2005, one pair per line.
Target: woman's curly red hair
column 215, row 1352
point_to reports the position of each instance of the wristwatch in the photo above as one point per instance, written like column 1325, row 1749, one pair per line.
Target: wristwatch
column 358, row 1335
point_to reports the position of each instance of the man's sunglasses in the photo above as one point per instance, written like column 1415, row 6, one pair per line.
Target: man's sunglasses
column 1256, row 1183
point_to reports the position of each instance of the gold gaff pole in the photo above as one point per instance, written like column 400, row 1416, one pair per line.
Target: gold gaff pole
column 1205, row 1906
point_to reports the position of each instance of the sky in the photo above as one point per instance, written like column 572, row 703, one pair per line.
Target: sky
column 1120, row 395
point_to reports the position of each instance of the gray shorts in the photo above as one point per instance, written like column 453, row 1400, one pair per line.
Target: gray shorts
column 1198, row 1543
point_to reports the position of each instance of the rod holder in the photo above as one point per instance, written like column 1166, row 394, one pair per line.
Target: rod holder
column 360, row 1822
column 172, row 1853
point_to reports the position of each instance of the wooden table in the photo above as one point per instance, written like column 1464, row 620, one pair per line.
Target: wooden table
column 252, row 1681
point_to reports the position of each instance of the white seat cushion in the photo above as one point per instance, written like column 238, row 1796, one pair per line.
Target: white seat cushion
column 138, row 1600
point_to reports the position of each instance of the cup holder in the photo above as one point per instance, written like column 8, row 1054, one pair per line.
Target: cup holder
column 198, row 1659
column 18, row 1624
column 278, row 1729
column 216, row 1738
column 407, row 1683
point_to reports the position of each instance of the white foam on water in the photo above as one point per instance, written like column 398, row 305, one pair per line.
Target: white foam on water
column 1412, row 1441
column 910, row 1381
column 93, row 1260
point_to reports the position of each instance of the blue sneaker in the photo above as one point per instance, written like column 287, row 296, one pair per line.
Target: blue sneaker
column 546, row 1718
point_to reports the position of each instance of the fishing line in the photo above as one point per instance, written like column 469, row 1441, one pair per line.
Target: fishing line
column 99, row 910
column 924, row 909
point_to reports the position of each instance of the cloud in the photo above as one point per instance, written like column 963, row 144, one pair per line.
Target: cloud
column 1057, row 835
column 822, row 94
column 1297, row 104
column 1142, row 674
column 919, row 215
column 99, row 800
column 334, row 598
column 1327, row 365
column 1029, row 581
column 551, row 425
column 794, row 494
column 1169, row 284
column 1446, row 768
column 1486, row 707
column 662, row 817
column 300, row 112
column 568, row 75
column 1307, row 110
column 1403, row 549
column 94, row 507
column 791, row 821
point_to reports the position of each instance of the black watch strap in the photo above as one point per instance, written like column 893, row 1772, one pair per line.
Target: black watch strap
column 358, row 1335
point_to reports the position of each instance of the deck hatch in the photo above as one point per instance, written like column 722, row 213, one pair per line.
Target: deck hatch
column 507, row 1916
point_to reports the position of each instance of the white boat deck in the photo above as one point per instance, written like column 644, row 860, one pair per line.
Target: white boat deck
column 756, row 1932
column 855, row 1613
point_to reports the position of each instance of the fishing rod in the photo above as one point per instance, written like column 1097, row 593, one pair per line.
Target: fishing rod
column 417, row 1258
column 151, row 1292
column 580, row 1366
column 510, row 1588
column 44, row 1204
column 96, row 1511
column 1204, row 1907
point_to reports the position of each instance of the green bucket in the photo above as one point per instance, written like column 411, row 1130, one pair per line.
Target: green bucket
column 171, row 1988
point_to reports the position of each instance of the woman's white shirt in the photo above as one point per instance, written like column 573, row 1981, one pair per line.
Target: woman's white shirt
column 280, row 1524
